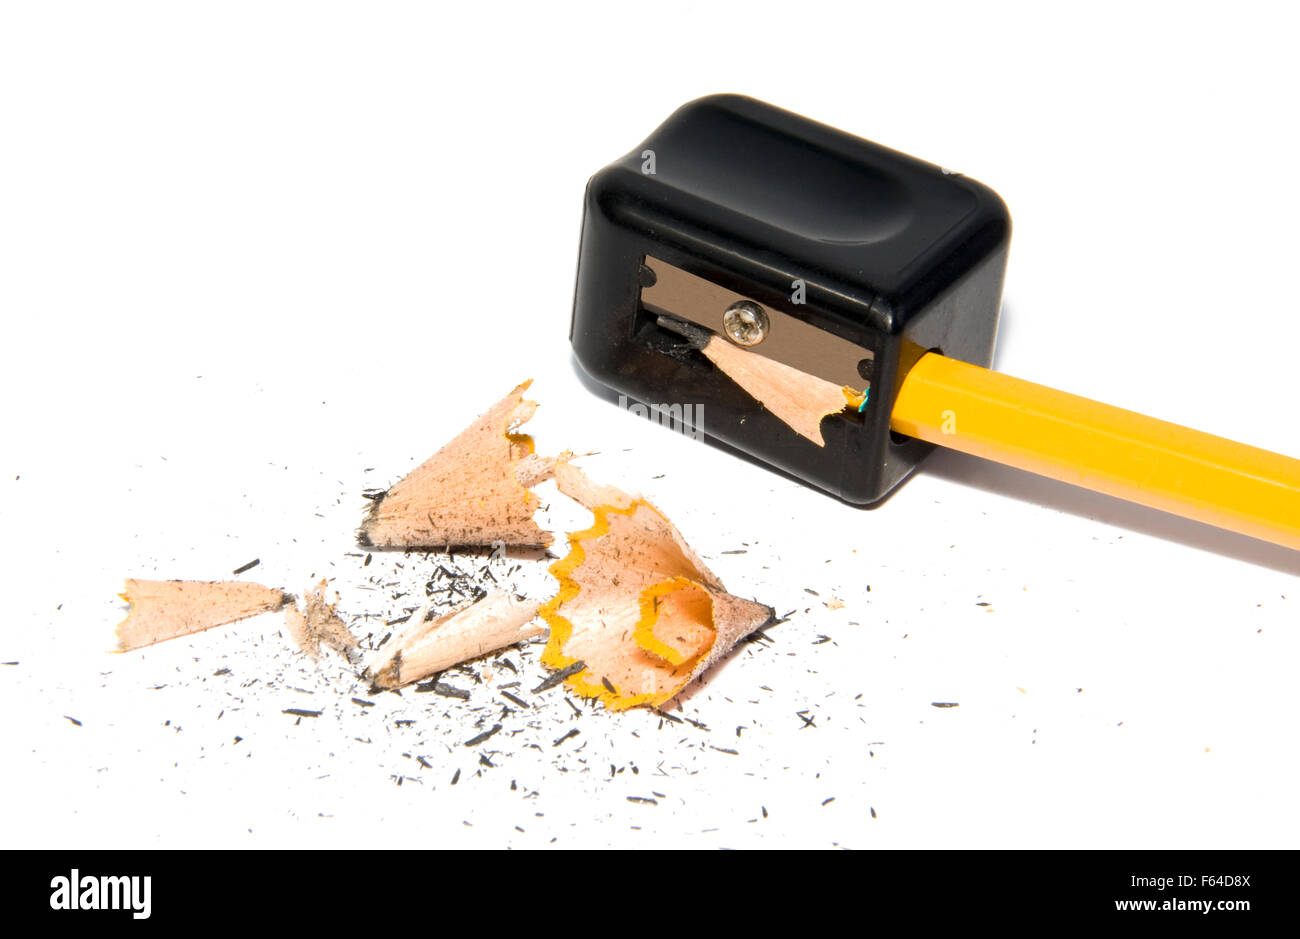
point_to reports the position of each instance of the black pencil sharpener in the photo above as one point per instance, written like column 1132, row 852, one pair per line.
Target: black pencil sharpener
column 855, row 259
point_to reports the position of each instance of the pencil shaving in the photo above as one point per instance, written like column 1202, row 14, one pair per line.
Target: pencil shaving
column 319, row 624
column 636, row 618
column 798, row 399
column 425, row 647
column 167, row 609
column 636, row 606
column 472, row 492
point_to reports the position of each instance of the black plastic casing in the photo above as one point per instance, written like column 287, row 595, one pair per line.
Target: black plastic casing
column 898, row 256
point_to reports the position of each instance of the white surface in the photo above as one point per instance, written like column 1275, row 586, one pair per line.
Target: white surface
column 249, row 250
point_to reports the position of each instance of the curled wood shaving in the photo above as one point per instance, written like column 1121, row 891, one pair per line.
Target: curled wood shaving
column 801, row 401
column 166, row 609
column 474, row 491
column 425, row 647
column 636, row 606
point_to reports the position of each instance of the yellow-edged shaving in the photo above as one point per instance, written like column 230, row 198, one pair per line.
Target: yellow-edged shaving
column 635, row 604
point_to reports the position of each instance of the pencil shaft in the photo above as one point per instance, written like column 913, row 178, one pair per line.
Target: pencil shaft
column 1107, row 449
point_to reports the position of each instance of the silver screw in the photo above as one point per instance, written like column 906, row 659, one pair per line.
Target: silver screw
column 745, row 322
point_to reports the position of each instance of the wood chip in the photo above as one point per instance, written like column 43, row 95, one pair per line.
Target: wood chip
column 166, row 609
column 319, row 624
column 474, row 491
column 425, row 647
column 636, row 604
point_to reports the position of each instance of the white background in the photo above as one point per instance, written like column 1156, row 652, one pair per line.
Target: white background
column 256, row 257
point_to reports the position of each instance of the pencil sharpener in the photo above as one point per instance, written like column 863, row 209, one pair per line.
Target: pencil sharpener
column 830, row 254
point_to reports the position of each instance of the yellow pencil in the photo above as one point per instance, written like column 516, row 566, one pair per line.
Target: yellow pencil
column 1076, row 440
